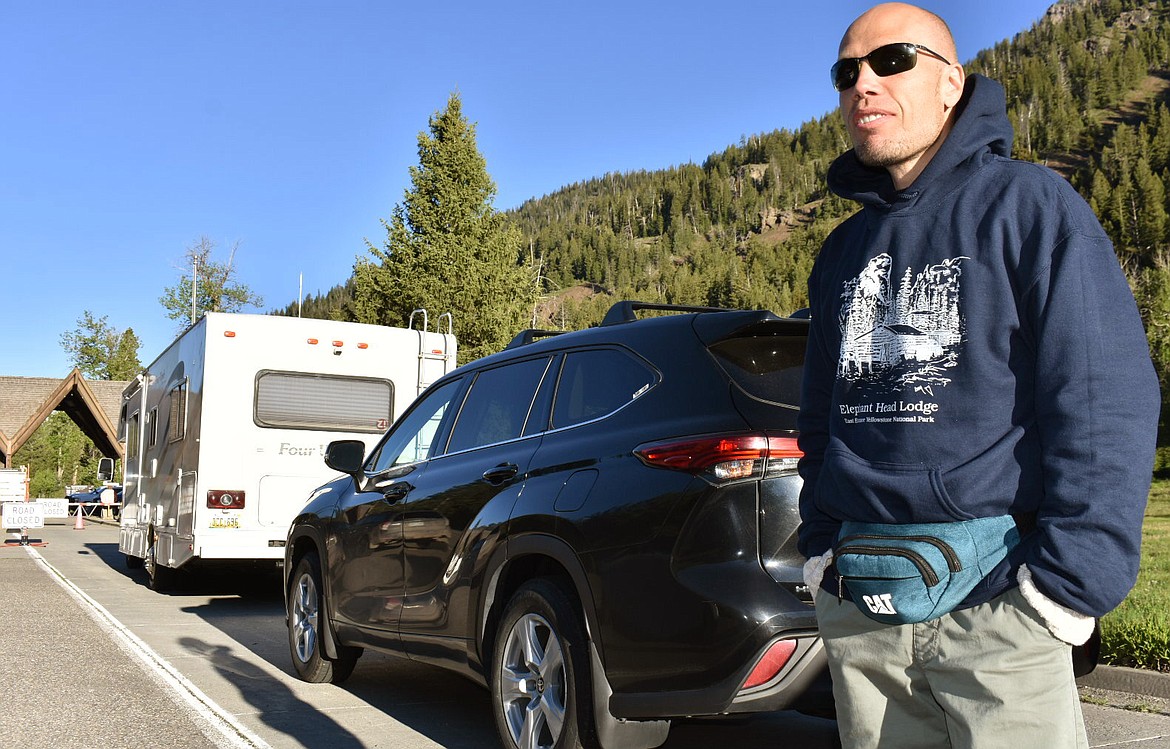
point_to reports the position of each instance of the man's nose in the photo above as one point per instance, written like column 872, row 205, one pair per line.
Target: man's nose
column 866, row 78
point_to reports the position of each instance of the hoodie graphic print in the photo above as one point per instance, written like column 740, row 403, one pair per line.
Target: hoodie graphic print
column 902, row 341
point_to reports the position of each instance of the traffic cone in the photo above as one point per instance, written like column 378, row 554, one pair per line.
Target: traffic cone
column 79, row 523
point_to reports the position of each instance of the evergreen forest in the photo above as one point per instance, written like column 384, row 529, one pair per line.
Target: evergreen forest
column 1088, row 90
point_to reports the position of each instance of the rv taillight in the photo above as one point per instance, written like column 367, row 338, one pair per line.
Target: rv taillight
column 312, row 341
column 229, row 334
column 225, row 499
column 363, row 345
column 339, row 344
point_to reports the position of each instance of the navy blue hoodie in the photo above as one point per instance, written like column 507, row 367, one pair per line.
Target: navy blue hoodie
column 976, row 351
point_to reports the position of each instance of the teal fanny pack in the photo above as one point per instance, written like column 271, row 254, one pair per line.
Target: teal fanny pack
column 915, row 572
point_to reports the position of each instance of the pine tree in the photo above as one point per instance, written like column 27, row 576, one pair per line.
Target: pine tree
column 101, row 351
column 1151, row 209
column 447, row 249
column 58, row 453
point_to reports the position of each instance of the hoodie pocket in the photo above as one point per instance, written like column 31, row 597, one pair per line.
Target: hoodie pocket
column 999, row 476
column 881, row 492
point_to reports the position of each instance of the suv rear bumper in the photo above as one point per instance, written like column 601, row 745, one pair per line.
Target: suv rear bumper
column 698, row 615
column 791, row 687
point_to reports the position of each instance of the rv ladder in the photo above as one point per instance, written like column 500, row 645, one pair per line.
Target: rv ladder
column 427, row 374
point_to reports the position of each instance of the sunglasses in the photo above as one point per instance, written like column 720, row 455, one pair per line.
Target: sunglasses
column 889, row 59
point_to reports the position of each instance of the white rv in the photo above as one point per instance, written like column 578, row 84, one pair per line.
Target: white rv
column 226, row 429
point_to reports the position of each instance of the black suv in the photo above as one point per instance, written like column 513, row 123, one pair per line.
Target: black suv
column 598, row 525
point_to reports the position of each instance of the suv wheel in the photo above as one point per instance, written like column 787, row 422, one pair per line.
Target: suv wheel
column 305, row 612
column 540, row 677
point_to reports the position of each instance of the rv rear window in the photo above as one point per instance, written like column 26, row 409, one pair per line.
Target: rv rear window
column 293, row 400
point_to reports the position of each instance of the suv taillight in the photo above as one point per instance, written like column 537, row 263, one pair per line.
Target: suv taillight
column 225, row 499
column 771, row 663
column 724, row 457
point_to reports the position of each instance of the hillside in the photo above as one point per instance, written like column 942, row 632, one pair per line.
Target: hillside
column 742, row 228
column 1087, row 90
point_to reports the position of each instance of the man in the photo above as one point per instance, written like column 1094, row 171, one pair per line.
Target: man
column 975, row 352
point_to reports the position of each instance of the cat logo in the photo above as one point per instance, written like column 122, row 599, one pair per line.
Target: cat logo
column 880, row 604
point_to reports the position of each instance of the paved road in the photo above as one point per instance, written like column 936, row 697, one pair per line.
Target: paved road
column 101, row 660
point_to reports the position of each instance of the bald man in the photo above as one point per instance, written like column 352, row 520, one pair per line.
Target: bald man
column 975, row 357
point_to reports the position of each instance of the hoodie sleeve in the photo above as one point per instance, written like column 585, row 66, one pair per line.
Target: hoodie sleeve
column 817, row 530
column 1097, row 403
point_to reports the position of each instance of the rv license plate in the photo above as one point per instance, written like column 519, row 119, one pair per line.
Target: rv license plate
column 225, row 522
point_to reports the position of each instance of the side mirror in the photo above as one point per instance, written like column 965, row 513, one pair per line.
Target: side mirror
column 346, row 456
column 105, row 470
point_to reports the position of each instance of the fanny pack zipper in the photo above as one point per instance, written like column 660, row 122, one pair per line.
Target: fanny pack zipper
column 952, row 558
column 923, row 566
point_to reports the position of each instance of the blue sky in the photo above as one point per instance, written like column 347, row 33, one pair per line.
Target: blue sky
column 131, row 129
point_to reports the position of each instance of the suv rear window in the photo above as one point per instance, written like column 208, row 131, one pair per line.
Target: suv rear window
column 768, row 368
column 595, row 383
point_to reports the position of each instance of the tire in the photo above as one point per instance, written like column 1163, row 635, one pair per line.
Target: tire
column 161, row 579
column 541, row 692
column 133, row 562
column 306, row 618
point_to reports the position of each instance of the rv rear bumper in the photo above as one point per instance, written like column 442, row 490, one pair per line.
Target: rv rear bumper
column 273, row 550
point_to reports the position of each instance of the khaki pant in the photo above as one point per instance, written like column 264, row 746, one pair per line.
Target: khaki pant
column 988, row 677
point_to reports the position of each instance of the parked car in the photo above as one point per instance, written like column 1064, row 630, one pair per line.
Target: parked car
column 91, row 500
column 599, row 526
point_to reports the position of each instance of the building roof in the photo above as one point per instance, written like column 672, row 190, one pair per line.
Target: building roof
column 25, row 403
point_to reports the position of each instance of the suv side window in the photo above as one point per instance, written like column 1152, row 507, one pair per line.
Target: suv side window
column 411, row 440
column 595, row 383
column 498, row 405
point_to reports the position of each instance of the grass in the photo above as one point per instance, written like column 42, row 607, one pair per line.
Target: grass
column 1137, row 633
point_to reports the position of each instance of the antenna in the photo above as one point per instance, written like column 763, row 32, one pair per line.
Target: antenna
column 194, row 284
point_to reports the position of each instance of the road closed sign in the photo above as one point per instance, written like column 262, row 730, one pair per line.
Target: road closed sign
column 55, row 508
column 24, row 515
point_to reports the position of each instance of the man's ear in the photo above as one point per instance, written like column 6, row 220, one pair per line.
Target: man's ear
column 952, row 85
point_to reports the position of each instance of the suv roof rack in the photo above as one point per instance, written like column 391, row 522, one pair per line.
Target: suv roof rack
column 525, row 337
column 623, row 312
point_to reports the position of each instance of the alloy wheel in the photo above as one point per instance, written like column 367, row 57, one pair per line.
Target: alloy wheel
column 304, row 618
column 532, row 683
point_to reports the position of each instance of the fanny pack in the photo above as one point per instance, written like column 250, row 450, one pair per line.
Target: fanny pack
column 915, row 572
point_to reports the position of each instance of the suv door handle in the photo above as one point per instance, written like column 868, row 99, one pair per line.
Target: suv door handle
column 396, row 491
column 500, row 473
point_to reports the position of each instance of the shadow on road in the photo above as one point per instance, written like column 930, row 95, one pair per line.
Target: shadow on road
column 275, row 703
column 446, row 708
column 451, row 710
column 108, row 553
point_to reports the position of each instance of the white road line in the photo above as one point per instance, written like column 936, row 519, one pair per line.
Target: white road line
column 219, row 725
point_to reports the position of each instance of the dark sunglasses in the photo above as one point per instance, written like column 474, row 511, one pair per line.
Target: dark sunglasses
column 888, row 59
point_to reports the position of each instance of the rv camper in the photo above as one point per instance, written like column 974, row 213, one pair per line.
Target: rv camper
column 226, row 429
